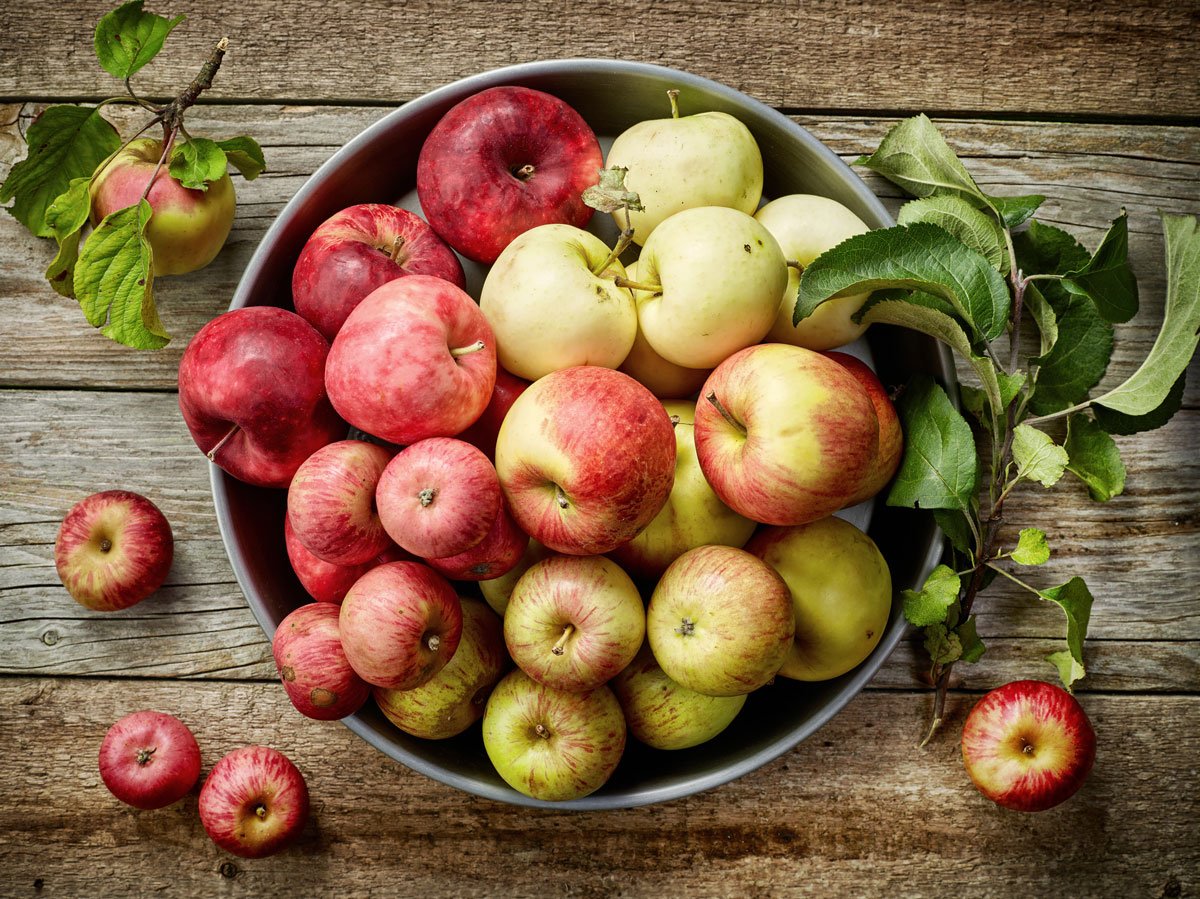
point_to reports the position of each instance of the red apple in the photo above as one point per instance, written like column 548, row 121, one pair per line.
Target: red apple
column 891, row 437
column 331, row 502
column 113, row 550
column 188, row 227
column 252, row 392
column 586, row 457
column 1028, row 745
column 400, row 625
column 453, row 699
column 501, row 162
column 327, row 581
column 254, row 802
column 415, row 359
column 438, row 497
column 312, row 664
column 573, row 622
column 149, row 760
column 359, row 249
column 785, row 435
column 485, row 430
column 492, row 557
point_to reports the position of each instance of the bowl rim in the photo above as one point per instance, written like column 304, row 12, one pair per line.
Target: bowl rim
column 859, row 677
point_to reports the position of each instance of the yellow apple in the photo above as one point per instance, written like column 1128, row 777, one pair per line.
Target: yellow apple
column 665, row 380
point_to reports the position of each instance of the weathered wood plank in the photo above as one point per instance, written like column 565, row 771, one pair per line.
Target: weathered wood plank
column 1088, row 172
column 1140, row 553
column 1120, row 58
column 856, row 810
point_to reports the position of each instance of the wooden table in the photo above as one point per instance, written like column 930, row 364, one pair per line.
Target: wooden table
column 1093, row 105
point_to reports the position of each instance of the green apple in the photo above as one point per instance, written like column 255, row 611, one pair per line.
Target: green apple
column 693, row 515
column 574, row 622
column 841, row 592
column 713, row 278
column 664, row 379
column 454, row 698
column 552, row 303
column 550, row 744
column 707, row 159
column 720, row 621
column 806, row 226
column 498, row 591
column 665, row 715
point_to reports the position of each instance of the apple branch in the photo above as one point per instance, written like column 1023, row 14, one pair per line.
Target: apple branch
column 172, row 113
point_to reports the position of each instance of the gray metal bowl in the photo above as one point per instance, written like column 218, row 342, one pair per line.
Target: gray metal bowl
column 379, row 165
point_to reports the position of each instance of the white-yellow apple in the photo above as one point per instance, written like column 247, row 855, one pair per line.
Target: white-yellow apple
column 715, row 277
column 706, row 159
column 552, row 303
column 665, row 380
column 806, row 226
column 693, row 515
column 497, row 591
column 841, row 594
column 784, row 434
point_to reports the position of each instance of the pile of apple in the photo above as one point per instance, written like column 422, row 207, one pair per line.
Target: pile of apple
column 584, row 438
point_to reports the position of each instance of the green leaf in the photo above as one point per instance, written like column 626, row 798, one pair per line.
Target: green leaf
column 114, row 283
column 928, row 320
column 1120, row 423
column 1032, row 548
column 1010, row 385
column 914, row 156
column 1046, row 250
column 66, row 217
column 244, row 154
column 197, row 162
column 1043, row 316
column 1069, row 670
column 1076, row 602
column 1038, row 457
column 1076, row 362
column 1016, row 210
column 940, row 469
column 127, row 38
column 942, row 645
column 929, row 604
column 918, row 257
column 1106, row 278
column 953, row 524
column 1095, row 459
column 976, row 229
column 65, row 143
column 1150, row 385
column 968, row 638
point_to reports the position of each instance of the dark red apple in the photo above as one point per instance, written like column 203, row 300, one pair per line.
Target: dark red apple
column 400, row 625
column 483, row 433
column 415, row 359
column 113, row 550
column 359, row 249
column 252, row 392
column 438, row 497
column 1028, row 745
column 503, row 161
column 496, row 554
column 312, row 664
column 254, row 802
column 149, row 760
column 327, row 581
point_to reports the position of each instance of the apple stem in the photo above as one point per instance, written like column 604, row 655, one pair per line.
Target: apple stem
column 143, row 756
column 542, row 731
column 524, row 173
column 168, row 143
column 673, row 96
column 212, row 453
column 397, row 255
column 105, row 545
column 434, row 642
column 796, row 264
column 711, row 396
column 637, row 285
column 622, row 243
column 674, row 421
column 466, row 350
column 561, row 498
column 427, row 496
column 686, row 628
column 560, row 647
column 260, row 810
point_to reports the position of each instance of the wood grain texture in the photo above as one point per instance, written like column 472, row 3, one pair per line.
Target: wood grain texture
column 1140, row 553
column 1088, row 173
column 1110, row 57
column 856, row 810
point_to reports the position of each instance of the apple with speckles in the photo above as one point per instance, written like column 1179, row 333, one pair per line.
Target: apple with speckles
column 254, row 802
column 149, row 760
column 359, row 249
column 312, row 664
column 501, row 162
